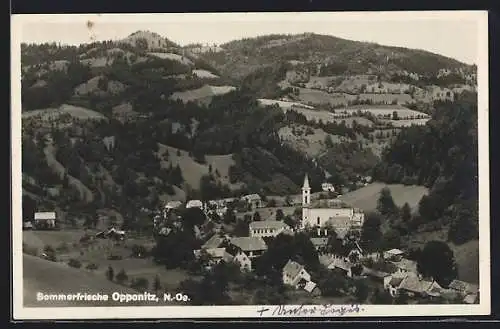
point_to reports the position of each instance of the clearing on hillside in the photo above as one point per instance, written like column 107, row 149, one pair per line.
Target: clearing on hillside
column 383, row 110
column 41, row 275
column 312, row 143
column 285, row 105
column 366, row 197
column 181, row 59
column 318, row 97
column 74, row 111
column 192, row 171
column 203, row 94
column 204, row 74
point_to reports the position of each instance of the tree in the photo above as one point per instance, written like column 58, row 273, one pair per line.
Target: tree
column 406, row 213
column 370, row 232
column 385, row 203
column 361, row 290
column 381, row 297
column 280, row 215
column 437, row 261
column 157, row 283
column 391, row 240
column 121, row 277
column 332, row 284
column 241, row 228
column 110, row 273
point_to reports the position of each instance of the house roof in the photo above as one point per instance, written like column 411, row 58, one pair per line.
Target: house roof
column 306, row 182
column 220, row 253
column 340, row 263
column 464, row 287
column 326, row 260
column 414, row 284
column 394, row 252
column 247, row 243
column 470, row 299
column 319, row 241
column 374, row 273
column 395, row 281
column 173, row 204
column 292, row 268
column 407, row 265
column 213, row 242
column 309, row 287
column 266, row 224
column 251, row 197
column 45, row 215
column 194, row 204
column 434, row 290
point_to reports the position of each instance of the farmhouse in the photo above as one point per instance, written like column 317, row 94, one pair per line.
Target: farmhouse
column 293, row 273
column 194, row 204
column 253, row 200
column 327, row 187
column 45, row 219
column 393, row 255
column 267, row 228
column 252, row 246
column 322, row 216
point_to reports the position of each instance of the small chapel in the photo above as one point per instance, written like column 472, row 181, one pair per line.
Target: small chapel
column 322, row 214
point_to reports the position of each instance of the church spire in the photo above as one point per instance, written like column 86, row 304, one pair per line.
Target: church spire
column 306, row 182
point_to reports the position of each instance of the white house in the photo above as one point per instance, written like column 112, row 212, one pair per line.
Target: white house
column 243, row 261
column 251, row 246
column 327, row 187
column 173, row 205
column 254, row 200
column 194, row 204
column 267, row 228
column 45, row 219
column 293, row 273
column 393, row 254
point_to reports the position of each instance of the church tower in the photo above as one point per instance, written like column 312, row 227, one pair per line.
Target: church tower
column 306, row 193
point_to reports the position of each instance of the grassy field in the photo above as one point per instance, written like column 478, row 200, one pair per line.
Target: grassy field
column 40, row 275
column 285, row 105
column 181, row 59
column 314, row 96
column 311, row 144
column 406, row 123
column 366, row 197
column 75, row 111
column 204, row 93
column 381, row 110
column 192, row 171
column 204, row 74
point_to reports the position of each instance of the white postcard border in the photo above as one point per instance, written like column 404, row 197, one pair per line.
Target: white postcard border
column 164, row 312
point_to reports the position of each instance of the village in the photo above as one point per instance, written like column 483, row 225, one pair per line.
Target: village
column 333, row 228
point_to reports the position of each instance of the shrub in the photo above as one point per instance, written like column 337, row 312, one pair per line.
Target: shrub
column 92, row 267
column 74, row 263
column 140, row 284
column 121, row 277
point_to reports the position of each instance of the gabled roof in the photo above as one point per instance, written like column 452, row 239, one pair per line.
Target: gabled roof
column 267, row 224
column 407, row 265
column 320, row 242
column 374, row 273
column 173, row 204
column 464, row 287
column 413, row 283
column 340, row 263
column 394, row 252
column 214, row 242
column 194, row 204
column 249, row 243
column 45, row 215
column 250, row 197
column 326, row 260
column 292, row 268
column 396, row 281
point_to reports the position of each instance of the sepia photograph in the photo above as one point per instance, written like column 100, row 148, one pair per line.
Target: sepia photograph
column 250, row 165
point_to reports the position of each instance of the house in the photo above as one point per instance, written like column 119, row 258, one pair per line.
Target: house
column 252, row 246
column 214, row 242
column 319, row 244
column 194, row 204
column 216, row 255
column 243, row 261
column 468, row 291
column 253, row 200
column 327, row 187
column 267, row 228
column 173, row 205
column 344, row 266
column 393, row 255
column 392, row 285
column 45, row 219
column 411, row 284
column 377, row 276
column 293, row 273
column 27, row 225
column 111, row 233
column 406, row 266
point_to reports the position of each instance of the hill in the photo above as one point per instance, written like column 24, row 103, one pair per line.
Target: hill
column 240, row 57
column 41, row 275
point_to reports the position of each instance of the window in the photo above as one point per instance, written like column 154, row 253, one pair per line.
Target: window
column 318, row 220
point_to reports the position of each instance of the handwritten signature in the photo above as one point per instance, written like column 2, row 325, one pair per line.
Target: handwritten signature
column 309, row 310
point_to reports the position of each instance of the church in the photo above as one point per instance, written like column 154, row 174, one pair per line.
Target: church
column 328, row 213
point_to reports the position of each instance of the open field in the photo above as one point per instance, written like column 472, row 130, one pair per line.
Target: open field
column 312, row 144
column 366, row 197
column 192, row 171
column 98, row 61
column 40, row 275
column 406, row 123
column 204, row 93
column 181, row 59
column 321, row 97
column 204, row 74
column 466, row 255
column 74, row 111
column 381, row 110
column 285, row 105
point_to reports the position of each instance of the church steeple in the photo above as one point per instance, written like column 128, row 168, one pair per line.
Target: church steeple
column 306, row 192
